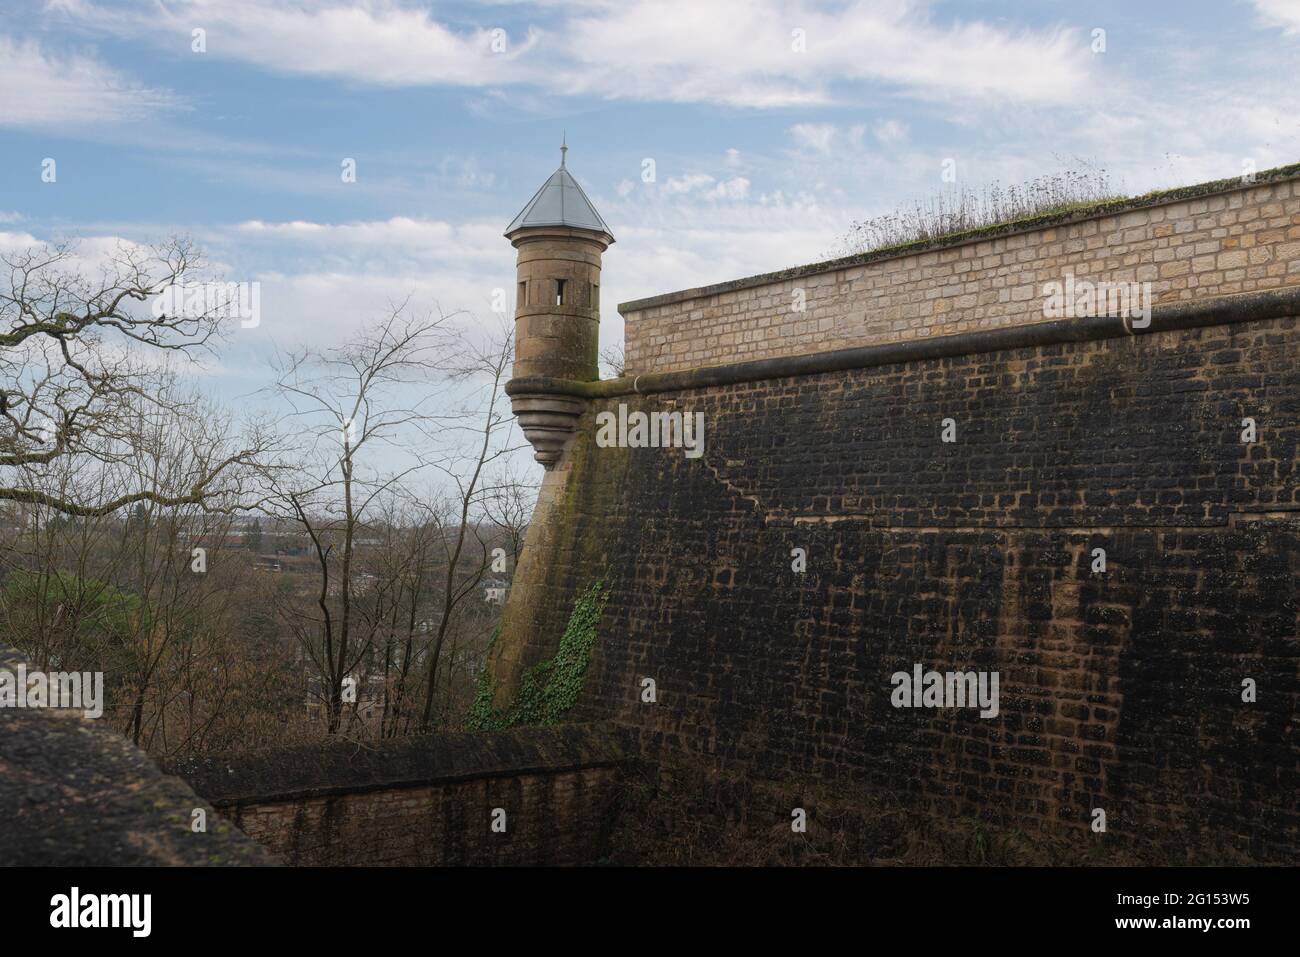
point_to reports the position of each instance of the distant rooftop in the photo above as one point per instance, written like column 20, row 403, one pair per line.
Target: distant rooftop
column 560, row 202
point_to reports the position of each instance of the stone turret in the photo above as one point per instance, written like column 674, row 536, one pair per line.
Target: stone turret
column 560, row 238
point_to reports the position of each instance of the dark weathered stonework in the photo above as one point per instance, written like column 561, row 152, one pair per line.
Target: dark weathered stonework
column 426, row 800
column 1119, row 691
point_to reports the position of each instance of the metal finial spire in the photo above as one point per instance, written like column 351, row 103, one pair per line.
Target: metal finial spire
column 560, row 202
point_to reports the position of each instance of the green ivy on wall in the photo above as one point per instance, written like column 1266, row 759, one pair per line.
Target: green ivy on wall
column 550, row 688
column 481, row 715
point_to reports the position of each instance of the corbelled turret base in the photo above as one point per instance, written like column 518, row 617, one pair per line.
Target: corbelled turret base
column 548, row 422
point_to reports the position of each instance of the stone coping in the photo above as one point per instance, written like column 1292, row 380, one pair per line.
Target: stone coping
column 350, row 767
column 1222, row 310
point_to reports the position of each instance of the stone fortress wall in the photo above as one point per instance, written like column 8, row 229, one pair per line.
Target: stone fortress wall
column 1122, row 690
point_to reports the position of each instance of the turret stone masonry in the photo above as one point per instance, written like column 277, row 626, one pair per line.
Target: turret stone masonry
column 912, row 467
column 560, row 238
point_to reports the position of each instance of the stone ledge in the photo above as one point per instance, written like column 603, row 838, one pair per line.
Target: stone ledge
column 75, row 793
column 1170, row 317
column 349, row 767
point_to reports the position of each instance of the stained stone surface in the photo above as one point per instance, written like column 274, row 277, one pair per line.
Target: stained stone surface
column 73, row 792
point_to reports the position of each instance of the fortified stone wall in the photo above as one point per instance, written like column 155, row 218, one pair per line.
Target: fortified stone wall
column 1211, row 240
column 1104, row 515
column 1120, row 690
column 426, row 800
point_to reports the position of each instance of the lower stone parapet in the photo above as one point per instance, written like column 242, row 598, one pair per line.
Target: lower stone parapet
column 528, row 796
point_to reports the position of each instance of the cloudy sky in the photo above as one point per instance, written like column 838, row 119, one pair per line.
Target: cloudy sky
column 771, row 126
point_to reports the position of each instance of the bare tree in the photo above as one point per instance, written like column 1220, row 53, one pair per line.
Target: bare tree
column 485, row 427
column 350, row 405
column 432, row 549
column 408, row 560
column 613, row 361
column 126, row 595
column 508, row 505
column 79, row 356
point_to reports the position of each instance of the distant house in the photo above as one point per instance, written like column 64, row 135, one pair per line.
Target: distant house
column 362, row 701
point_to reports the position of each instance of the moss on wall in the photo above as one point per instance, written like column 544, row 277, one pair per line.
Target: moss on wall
column 561, row 556
column 550, row 688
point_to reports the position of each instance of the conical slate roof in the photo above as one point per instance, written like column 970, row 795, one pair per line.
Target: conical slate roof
column 560, row 202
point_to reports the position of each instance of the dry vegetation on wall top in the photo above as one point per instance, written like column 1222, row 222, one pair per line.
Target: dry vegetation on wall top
column 959, row 210
column 959, row 214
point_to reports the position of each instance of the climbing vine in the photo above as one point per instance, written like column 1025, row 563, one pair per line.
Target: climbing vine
column 569, row 666
column 549, row 688
column 481, row 715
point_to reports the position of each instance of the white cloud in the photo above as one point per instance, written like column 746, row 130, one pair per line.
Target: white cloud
column 735, row 188
column 688, row 183
column 321, row 280
column 324, row 306
column 324, row 277
column 436, row 236
column 889, row 132
column 817, row 136
column 89, row 255
column 16, row 242
column 381, row 42
column 736, row 52
column 1284, row 14
column 668, row 242
column 330, row 276
column 740, row 52
column 697, row 184
column 825, row 138
column 47, row 89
